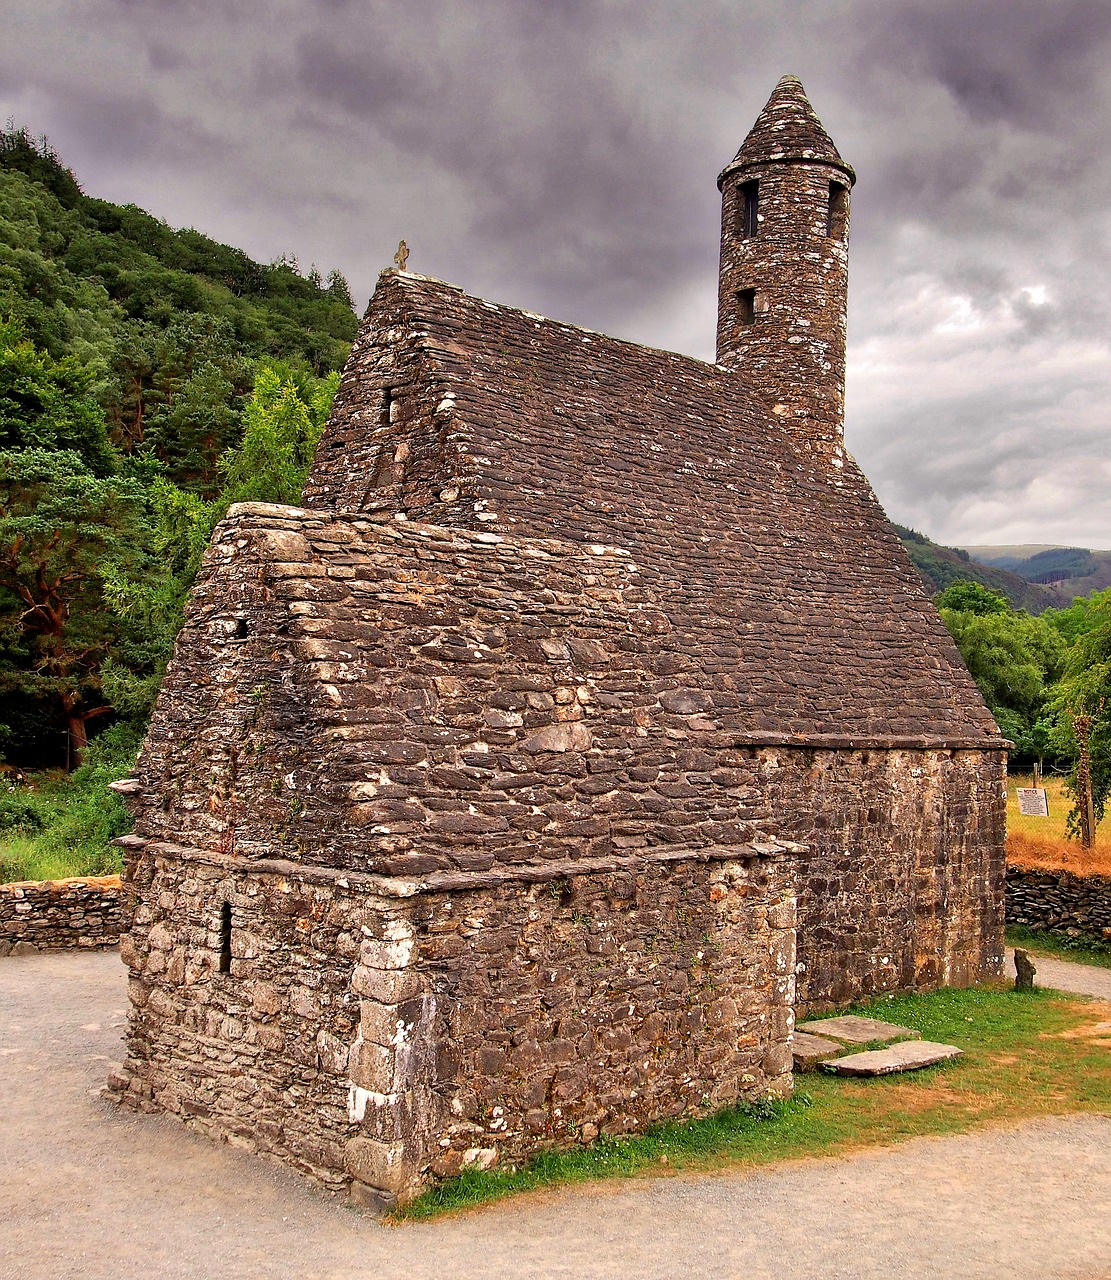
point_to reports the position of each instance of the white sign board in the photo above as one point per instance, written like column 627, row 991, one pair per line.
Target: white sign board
column 1032, row 802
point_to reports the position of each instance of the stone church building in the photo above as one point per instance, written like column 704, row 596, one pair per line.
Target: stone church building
column 585, row 722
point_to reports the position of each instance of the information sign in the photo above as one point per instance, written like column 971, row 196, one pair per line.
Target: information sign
column 1033, row 802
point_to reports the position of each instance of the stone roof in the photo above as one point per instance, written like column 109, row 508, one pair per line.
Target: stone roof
column 777, row 577
column 787, row 129
column 410, row 699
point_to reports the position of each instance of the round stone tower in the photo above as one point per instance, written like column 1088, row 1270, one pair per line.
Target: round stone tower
column 783, row 285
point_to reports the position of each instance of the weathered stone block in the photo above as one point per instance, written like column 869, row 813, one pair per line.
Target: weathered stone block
column 370, row 1066
column 386, row 986
column 569, row 736
column 380, row 1165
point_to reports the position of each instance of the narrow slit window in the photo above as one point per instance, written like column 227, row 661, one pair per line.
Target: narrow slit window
column 746, row 306
column 387, row 405
column 241, row 628
column 750, row 208
column 225, row 937
column 836, row 211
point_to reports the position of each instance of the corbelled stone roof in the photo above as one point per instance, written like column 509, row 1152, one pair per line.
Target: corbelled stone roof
column 777, row 575
column 787, row 129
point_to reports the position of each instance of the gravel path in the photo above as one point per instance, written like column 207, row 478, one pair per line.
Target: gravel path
column 1065, row 976
column 88, row 1191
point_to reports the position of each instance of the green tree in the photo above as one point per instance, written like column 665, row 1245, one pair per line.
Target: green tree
column 1082, row 700
column 1013, row 658
column 153, row 602
column 971, row 597
column 62, row 530
column 283, row 421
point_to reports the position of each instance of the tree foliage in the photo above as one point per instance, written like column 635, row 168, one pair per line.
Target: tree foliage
column 148, row 377
column 1012, row 657
column 63, row 531
column 282, row 425
column 1084, row 692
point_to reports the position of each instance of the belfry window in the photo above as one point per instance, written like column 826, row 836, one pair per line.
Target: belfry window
column 837, row 211
column 746, row 306
column 749, row 208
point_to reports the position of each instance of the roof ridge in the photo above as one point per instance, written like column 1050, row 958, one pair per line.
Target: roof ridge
column 549, row 321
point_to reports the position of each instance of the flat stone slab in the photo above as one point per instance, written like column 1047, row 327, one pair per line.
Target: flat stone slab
column 809, row 1050
column 851, row 1029
column 907, row 1055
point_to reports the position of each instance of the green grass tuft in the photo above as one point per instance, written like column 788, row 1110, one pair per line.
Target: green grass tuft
column 1082, row 949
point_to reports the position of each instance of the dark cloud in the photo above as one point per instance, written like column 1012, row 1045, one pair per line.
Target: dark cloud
column 562, row 154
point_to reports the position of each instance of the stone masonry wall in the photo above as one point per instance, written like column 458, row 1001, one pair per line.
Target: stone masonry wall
column 257, row 1055
column 901, row 885
column 53, row 915
column 1059, row 900
column 794, row 346
column 373, row 1033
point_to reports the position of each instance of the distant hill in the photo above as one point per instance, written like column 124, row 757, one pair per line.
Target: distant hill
column 1071, row 571
column 940, row 567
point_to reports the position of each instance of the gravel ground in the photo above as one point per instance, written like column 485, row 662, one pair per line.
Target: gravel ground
column 1085, row 979
column 89, row 1191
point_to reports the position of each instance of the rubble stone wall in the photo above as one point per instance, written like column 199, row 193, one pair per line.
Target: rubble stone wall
column 54, row 915
column 901, row 886
column 370, row 1033
column 1059, row 900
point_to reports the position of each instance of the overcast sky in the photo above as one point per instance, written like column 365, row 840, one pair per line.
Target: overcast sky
column 562, row 156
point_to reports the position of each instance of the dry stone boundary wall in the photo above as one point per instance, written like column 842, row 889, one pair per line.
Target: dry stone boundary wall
column 56, row 915
column 1059, row 900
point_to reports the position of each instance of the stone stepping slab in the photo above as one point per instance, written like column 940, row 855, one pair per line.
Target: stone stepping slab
column 808, row 1051
column 852, row 1029
column 907, row 1055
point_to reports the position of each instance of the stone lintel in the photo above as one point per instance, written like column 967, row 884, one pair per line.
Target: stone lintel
column 462, row 881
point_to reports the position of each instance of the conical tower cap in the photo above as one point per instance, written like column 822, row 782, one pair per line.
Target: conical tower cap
column 787, row 131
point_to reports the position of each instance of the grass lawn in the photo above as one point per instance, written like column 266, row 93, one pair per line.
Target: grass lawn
column 1081, row 950
column 1026, row 1055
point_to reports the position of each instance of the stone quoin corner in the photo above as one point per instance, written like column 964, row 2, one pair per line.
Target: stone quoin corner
column 585, row 722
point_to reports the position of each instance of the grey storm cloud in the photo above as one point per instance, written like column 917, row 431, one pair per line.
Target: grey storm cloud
column 561, row 155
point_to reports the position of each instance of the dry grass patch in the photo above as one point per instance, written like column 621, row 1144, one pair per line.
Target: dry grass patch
column 1040, row 844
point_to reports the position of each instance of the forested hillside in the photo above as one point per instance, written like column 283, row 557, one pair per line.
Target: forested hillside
column 940, row 567
column 148, row 377
column 1071, row 571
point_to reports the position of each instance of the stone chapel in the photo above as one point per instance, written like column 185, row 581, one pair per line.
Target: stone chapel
column 585, row 722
